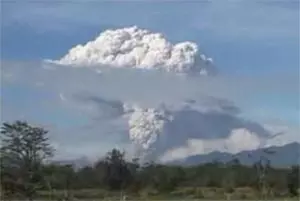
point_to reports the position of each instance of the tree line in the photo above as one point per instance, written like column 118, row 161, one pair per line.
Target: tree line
column 26, row 170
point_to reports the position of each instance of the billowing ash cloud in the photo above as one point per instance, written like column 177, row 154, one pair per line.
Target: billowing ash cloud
column 165, row 116
column 187, row 131
column 138, row 48
column 146, row 126
column 239, row 140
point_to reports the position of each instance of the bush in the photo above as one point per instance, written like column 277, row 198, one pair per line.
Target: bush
column 199, row 194
column 148, row 192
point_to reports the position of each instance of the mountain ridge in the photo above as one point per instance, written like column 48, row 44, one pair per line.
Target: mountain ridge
column 279, row 156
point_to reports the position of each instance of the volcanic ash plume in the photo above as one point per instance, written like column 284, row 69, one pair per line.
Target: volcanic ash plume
column 146, row 126
column 138, row 48
column 239, row 140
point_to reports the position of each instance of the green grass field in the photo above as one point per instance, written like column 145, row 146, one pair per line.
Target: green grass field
column 183, row 194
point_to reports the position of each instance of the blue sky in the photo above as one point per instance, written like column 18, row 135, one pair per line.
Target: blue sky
column 242, row 36
column 245, row 38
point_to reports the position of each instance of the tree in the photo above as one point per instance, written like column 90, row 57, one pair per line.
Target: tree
column 23, row 150
column 263, row 167
column 294, row 180
column 117, row 171
column 230, row 178
column 88, row 177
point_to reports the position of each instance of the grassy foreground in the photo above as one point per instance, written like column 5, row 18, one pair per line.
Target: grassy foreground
column 188, row 193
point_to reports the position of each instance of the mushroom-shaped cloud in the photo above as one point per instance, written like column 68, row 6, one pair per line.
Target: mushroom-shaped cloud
column 138, row 48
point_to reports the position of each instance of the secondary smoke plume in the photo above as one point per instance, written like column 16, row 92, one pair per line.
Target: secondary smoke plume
column 138, row 48
column 158, row 131
column 239, row 140
column 146, row 126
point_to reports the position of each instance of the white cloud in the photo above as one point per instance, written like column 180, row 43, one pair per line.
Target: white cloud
column 239, row 140
column 204, row 128
column 138, row 48
column 145, row 125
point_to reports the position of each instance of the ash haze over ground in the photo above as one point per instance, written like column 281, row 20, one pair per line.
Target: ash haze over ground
column 156, row 94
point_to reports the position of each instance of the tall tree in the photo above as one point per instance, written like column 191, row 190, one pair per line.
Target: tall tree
column 263, row 168
column 117, row 171
column 23, row 150
column 294, row 180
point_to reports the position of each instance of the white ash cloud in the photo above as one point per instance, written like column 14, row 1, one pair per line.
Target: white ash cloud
column 133, row 47
column 239, row 140
column 146, row 127
column 155, row 131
